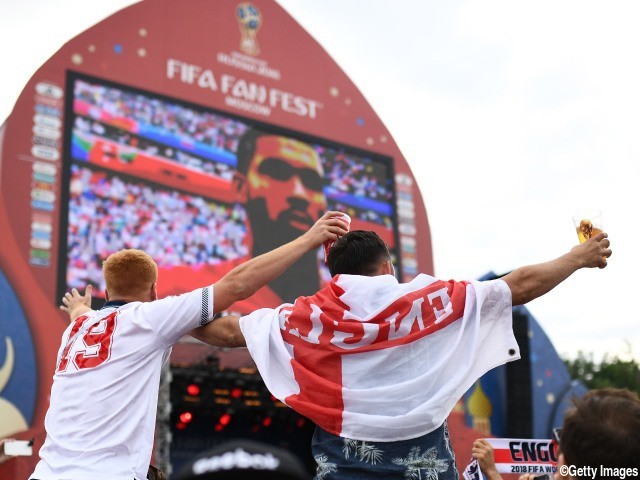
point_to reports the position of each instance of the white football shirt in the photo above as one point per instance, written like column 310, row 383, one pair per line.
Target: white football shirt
column 101, row 418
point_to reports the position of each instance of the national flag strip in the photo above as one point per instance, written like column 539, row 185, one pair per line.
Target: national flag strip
column 518, row 455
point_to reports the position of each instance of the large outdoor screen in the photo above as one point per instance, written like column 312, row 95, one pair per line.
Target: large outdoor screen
column 156, row 173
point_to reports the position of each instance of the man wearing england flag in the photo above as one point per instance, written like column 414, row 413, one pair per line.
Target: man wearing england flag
column 378, row 365
column 101, row 417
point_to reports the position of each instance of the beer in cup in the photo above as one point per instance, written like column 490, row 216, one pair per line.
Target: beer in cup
column 588, row 225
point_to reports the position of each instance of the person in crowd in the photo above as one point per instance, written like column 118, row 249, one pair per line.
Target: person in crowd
column 280, row 181
column 602, row 432
column 600, row 438
column 101, row 418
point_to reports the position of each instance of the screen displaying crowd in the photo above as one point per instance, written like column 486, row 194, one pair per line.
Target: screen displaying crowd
column 108, row 213
column 127, row 145
column 170, row 120
column 109, row 210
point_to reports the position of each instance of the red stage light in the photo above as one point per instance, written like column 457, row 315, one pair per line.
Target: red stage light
column 186, row 417
column 181, row 426
column 225, row 419
column 218, row 428
column 193, row 390
column 300, row 422
column 236, row 392
column 267, row 421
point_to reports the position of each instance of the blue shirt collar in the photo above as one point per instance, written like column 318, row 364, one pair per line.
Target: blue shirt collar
column 114, row 303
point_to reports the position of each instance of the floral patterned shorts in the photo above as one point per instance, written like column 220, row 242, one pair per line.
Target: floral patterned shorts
column 429, row 457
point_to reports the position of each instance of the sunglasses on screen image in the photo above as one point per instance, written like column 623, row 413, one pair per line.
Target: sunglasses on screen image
column 282, row 171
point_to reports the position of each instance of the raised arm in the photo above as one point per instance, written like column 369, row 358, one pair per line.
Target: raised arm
column 75, row 304
column 533, row 281
column 246, row 279
column 222, row 332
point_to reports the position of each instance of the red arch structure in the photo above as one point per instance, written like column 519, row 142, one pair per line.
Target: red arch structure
column 101, row 113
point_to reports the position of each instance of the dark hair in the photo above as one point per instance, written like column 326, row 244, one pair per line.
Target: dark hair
column 359, row 252
column 603, row 428
column 247, row 149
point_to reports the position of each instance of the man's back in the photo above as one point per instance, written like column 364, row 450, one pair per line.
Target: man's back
column 378, row 365
column 372, row 359
column 102, row 410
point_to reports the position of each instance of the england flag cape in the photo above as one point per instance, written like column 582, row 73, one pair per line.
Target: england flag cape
column 369, row 358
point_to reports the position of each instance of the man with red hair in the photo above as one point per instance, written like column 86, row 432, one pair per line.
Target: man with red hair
column 101, row 418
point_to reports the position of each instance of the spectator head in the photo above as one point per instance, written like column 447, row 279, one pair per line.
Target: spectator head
column 603, row 428
column 360, row 252
column 130, row 275
column 281, row 182
column 244, row 459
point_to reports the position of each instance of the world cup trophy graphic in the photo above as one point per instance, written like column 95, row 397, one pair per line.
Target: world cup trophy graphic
column 249, row 21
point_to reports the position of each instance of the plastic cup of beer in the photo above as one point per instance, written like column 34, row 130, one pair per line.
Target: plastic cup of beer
column 588, row 225
column 346, row 219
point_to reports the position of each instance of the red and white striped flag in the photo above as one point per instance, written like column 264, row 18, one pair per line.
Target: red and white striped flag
column 369, row 358
column 520, row 455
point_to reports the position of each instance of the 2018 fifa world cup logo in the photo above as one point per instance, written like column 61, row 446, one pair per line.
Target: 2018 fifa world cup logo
column 249, row 21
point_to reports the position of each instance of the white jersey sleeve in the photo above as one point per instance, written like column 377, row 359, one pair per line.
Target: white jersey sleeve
column 172, row 317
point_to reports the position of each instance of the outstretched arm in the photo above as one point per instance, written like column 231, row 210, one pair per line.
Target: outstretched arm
column 75, row 304
column 246, row 279
column 533, row 281
column 221, row 332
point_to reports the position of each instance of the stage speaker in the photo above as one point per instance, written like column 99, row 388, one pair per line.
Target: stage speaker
column 519, row 394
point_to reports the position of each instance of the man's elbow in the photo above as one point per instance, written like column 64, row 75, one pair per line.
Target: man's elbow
column 203, row 334
column 519, row 284
column 238, row 288
column 517, row 299
column 236, row 340
column 518, row 295
column 523, row 294
column 229, row 337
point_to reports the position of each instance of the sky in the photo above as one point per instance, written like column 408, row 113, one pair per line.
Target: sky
column 513, row 116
